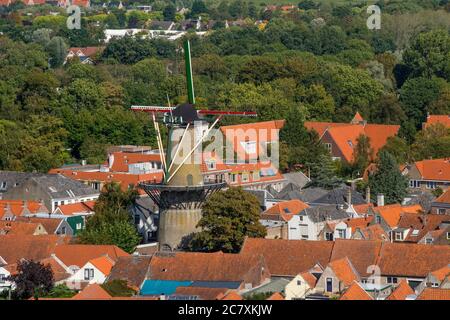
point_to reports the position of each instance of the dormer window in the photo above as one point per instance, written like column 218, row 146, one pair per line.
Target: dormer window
column 211, row 165
column 3, row 185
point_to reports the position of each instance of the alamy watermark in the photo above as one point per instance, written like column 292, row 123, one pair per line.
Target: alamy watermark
column 374, row 20
column 74, row 18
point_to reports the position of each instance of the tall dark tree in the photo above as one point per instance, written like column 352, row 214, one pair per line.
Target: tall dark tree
column 33, row 279
column 323, row 174
column 169, row 12
column 228, row 217
column 198, row 7
column 388, row 180
column 363, row 154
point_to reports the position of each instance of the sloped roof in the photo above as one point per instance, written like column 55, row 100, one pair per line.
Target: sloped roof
column 59, row 273
column 358, row 223
column 202, row 292
column 77, row 208
column 442, row 273
column 285, row 210
column 355, row 292
column 310, row 279
column 50, row 224
column 19, row 207
column 433, row 119
column 123, row 159
column 344, row 271
column 401, row 292
column 19, row 228
column 434, row 294
column 276, row 296
column 16, row 247
column 436, row 169
column 289, row 257
column 444, row 198
column 392, row 213
column 103, row 263
column 422, row 224
column 60, row 186
column 374, row 232
column 92, row 292
column 131, row 268
column 232, row 295
column 80, row 254
column 417, row 260
column 86, row 51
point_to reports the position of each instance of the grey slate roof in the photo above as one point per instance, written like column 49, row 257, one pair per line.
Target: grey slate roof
column 275, row 285
column 297, row 178
column 13, row 178
column 324, row 213
column 319, row 196
column 59, row 186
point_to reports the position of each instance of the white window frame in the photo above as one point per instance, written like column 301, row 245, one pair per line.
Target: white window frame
column 431, row 185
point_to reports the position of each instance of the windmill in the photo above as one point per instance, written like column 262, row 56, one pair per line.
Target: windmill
column 183, row 191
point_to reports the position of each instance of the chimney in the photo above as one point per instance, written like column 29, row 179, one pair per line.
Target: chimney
column 83, row 162
column 368, row 194
column 380, row 200
column 349, row 197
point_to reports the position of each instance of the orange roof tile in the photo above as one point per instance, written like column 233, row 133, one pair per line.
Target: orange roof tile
column 80, row 254
column 121, row 160
column 20, row 228
column 358, row 223
column 392, row 213
column 19, row 207
column 441, row 273
column 433, row 119
column 77, row 208
column 50, row 224
column 92, row 292
column 103, row 263
column 401, row 292
column 309, row 278
column 437, row 169
column 203, row 293
column 285, row 210
column 362, row 208
column 357, row 118
column 355, row 292
column 86, row 51
column 321, row 127
column 434, row 294
column 59, row 272
column 445, row 197
column 344, row 271
column 374, row 232
column 276, row 296
column 232, row 295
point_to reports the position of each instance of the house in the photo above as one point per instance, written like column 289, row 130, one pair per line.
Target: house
column 355, row 292
column 428, row 174
column 94, row 271
column 52, row 189
column 337, row 276
column 133, row 269
column 75, row 209
column 341, row 138
column 439, row 236
column 5, row 272
column 200, row 293
column 21, row 228
column 372, row 232
column 415, row 227
column 86, row 55
column 442, row 204
column 401, row 292
column 232, row 271
column 145, row 219
column 300, row 286
column 52, row 225
column 434, row 119
column 276, row 285
column 283, row 220
column 435, row 279
column 92, row 292
column 80, row 3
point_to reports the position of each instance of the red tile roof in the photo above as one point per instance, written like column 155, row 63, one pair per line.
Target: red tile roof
column 232, row 295
column 289, row 257
column 437, row 169
column 442, row 273
column 310, row 279
column 417, row 260
column 374, row 232
column 433, row 119
column 202, row 292
column 121, row 160
column 20, row 228
column 362, row 208
column 445, row 197
column 401, row 292
column 5, row 2
column 80, row 254
column 434, row 294
column 50, row 224
column 355, row 292
column 344, row 271
column 421, row 223
column 33, row 2
column 19, row 207
column 358, row 223
column 77, row 208
column 92, row 292
column 392, row 213
column 86, row 51
column 284, row 210
column 81, row 3
column 104, row 264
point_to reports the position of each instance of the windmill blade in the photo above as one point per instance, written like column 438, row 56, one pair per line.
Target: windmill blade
column 159, row 109
column 228, row 113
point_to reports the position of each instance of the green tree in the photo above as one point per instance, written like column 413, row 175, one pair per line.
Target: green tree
column 32, row 279
column 388, row 180
column 169, row 12
column 118, row 288
column 57, row 50
column 432, row 142
column 398, row 148
column 60, row 291
column 323, row 173
column 112, row 223
column 363, row 154
column 227, row 218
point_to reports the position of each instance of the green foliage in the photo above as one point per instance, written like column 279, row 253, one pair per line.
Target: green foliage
column 388, row 180
column 118, row 288
column 363, row 154
column 32, row 279
column 323, row 173
column 112, row 223
column 57, row 50
column 227, row 218
column 432, row 143
column 258, row 296
column 60, row 291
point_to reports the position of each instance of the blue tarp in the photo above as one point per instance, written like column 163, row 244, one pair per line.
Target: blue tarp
column 159, row 287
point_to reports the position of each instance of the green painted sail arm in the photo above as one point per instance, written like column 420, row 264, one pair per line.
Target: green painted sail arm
column 189, row 79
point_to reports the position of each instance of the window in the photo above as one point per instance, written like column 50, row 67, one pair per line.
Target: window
column 435, row 285
column 378, row 219
column 328, row 147
column 233, row 178
column 2, row 278
column 392, row 280
column 342, row 233
column 4, row 184
column 414, row 184
column 329, row 236
column 301, row 218
column 63, row 230
column 256, row 175
column 212, row 165
column 448, row 235
column 431, row 185
column 78, row 226
column 428, row 241
column 245, row 177
column 88, row 274
column 399, row 236
column 441, row 211
column 137, row 219
column 329, row 284
column 299, row 283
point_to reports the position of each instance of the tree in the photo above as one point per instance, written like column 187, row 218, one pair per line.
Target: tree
column 363, row 154
column 60, row 291
column 118, row 288
column 387, row 110
column 227, row 218
column 388, row 180
column 398, row 148
column 169, row 12
column 198, row 7
column 57, row 50
column 432, row 142
column 112, row 223
column 429, row 54
column 323, row 174
column 32, row 279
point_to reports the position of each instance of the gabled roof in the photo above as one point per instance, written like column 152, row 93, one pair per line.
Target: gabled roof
column 19, row 207
column 104, row 264
column 434, row 294
column 419, row 225
column 92, row 292
column 59, row 273
column 70, row 209
column 121, row 160
column 310, row 279
column 355, row 292
column 20, row 228
column 85, row 51
column 80, row 254
column 444, row 198
column 391, row 213
column 289, row 257
column 358, row 223
column 357, row 118
column 374, row 232
column 437, row 169
column 441, row 273
column 50, row 224
column 202, row 292
column 284, row 210
column 401, row 292
column 417, row 260
column 344, row 271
